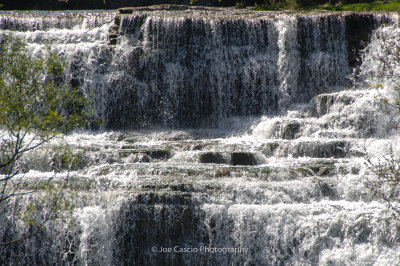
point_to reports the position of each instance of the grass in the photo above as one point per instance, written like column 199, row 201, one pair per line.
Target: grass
column 374, row 6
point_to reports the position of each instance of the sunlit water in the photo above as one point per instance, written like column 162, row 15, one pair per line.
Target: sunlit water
column 222, row 130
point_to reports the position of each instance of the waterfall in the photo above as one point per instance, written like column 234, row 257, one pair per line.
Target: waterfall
column 180, row 69
column 189, row 70
column 230, row 138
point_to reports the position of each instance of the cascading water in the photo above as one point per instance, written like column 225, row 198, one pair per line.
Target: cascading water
column 249, row 143
column 197, row 69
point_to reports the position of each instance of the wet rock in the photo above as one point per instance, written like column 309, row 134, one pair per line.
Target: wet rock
column 359, row 29
column 114, row 28
column 287, row 129
column 270, row 148
column 159, row 154
column 112, row 41
column 117, row 20
column 322, row 168
column 335, row 149
column 130, row 10
column 139, row 158
column 126, row 152
column 355, row 170
column 180, row 224
column 212, row 157
column 197, row 147
column 131, row 140
column 128, row 147
column 322, row 103
column 153, row 154
column 313, row 149
column 118, row 136
column 327, row 190
column 243, row 158
column 179, row 136
column 181, row 187
column 176, row 5
column 290, row 130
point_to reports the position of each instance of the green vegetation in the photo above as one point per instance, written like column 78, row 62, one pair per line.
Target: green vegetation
column 63, row 157
column 33, row 96
column 294, row 5
column 374, row 6
column 385, row 180
column 35, row 106
column 386, row 184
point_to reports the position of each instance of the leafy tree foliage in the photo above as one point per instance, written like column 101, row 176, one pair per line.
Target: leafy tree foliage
column 386, row 184
column 384, row 54
column 35, row 105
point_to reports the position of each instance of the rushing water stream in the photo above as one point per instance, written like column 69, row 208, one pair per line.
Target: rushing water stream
column 230, row 138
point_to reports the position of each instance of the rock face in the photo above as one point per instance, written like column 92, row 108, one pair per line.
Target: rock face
column 286, row 129
column 242, row 65
column 359, row 28
column 150, row 154
column 323, row 103
column 271, row 63
column 243, row 158
column 212, row 157
column 185, row 67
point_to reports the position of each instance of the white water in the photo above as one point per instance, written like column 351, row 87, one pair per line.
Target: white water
column 304, row 203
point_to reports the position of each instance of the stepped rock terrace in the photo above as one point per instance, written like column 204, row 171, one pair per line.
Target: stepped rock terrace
column 223, row 129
